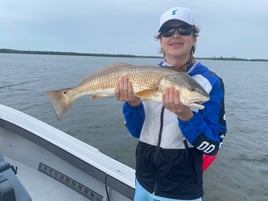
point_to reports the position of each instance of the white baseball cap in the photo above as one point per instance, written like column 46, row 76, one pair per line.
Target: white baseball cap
column 177, row 13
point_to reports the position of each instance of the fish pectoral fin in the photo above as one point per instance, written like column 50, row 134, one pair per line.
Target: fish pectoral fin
column 146, row 94
column 98, row 96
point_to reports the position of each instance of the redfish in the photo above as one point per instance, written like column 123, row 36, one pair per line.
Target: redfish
column 149, row 82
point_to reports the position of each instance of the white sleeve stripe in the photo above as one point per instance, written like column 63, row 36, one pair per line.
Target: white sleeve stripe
column 203, row 82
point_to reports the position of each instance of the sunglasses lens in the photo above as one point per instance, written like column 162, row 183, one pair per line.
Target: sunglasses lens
column 183, row 30
column 169, row 31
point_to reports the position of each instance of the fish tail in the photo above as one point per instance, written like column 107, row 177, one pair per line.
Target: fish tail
column 61, row 99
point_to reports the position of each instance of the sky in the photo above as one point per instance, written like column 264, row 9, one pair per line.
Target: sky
column 229, row 28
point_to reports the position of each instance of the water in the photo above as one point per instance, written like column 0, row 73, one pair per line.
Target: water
column 25, row 78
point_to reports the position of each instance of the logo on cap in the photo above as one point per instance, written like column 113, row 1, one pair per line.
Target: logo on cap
column 173, row 12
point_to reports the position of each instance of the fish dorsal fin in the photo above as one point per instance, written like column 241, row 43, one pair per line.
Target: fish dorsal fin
column 107, row 69
column 117, row 65
column 113, row 66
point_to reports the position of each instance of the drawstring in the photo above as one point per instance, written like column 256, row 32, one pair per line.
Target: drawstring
column 161, row 126
column 186, row 149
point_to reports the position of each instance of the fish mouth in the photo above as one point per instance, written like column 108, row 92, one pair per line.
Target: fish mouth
column 197, row 104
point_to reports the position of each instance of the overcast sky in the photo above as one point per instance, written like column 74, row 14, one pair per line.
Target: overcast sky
column 229, row 28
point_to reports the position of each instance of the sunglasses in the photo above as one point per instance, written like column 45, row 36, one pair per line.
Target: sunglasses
column 183, row 30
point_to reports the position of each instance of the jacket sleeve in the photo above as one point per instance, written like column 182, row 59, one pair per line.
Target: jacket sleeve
column 134, row 118
column 206, row 129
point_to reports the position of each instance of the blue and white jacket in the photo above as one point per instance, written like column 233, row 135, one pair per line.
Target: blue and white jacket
column 169, row 153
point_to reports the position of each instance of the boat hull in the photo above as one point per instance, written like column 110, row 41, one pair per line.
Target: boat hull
column 52, row 165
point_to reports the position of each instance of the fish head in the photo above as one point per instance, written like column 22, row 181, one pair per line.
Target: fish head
column 191, row 92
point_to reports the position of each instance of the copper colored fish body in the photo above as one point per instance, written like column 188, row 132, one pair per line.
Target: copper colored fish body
column 148, row 83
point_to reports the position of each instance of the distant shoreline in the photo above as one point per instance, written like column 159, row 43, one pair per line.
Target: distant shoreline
column 12, row 51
